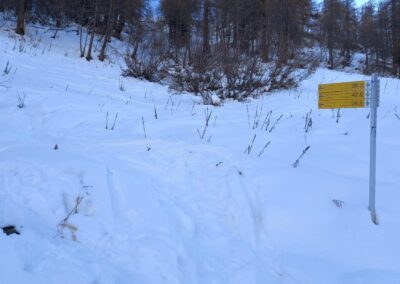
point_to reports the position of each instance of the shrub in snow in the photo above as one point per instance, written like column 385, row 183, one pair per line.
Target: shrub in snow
column 148, row 67
column 216, row 74
column 238, row 78
column 202, row 76
column 148, row 60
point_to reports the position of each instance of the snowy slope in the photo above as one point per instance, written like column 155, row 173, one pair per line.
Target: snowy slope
column 172, row 207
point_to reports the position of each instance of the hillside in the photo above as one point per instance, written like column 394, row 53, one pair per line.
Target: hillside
column 156, row 199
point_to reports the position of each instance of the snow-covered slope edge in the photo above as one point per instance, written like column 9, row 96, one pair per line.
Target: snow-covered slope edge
column 161, row 205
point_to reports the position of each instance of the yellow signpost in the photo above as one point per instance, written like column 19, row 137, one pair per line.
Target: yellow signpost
column 342, row 95
column 358, row 94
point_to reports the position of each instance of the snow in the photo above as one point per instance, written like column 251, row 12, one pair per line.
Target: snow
column 172, row 207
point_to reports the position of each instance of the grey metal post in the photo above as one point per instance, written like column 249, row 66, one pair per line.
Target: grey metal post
column 374, row 101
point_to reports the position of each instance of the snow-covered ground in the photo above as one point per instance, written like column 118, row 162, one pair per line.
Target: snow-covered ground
column 162, row 205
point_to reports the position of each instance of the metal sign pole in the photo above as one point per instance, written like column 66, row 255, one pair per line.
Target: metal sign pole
column 374, row 101
column 358, row 94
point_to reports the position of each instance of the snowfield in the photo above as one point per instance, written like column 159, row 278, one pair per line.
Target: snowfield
column 159, row 202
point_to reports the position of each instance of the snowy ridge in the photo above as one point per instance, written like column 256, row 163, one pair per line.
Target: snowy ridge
column 160, row 204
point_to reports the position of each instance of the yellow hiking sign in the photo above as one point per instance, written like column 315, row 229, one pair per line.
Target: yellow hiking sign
column 342, row 95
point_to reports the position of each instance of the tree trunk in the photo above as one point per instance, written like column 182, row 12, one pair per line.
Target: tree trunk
column 331, row 28
column 93, row 33
column 82, row 47
column 58, row 26
column 206, row 44
column 102, row 54
column 331, row 61
column 236, row 28
column 346, row 44
column 22, row 9
column 395, row 6
column 119, row 26
column 264, row 48
column 284, row 33
column 135, row 50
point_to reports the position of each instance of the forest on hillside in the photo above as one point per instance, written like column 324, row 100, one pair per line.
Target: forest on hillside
column 229, row 48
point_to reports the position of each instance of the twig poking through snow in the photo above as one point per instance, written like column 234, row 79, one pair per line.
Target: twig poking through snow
column 121, row 85
column 7, row 69
column 192, row 111
column 207, row 117
column 239, row 171
column 21, row 100
column 267, row 121
column 396, row 114
column 167, row 103
column 338, row 115
column 338, row 203
column 65, row 223
column 3, row 85
column 308, row 122
column 263, row 149
column 115, row 121
column 250, row 147
column 276, row 123
column 296, row 164
column 90, row 91
column 248, row 115
column 144, row 128
column 257, row 117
